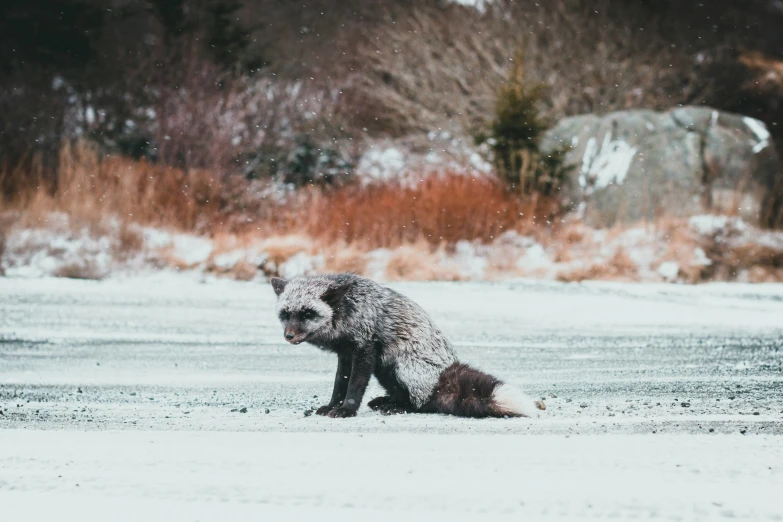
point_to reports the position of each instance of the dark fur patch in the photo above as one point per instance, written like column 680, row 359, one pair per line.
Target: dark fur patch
column 465, row 392
column 335, row 296
column 278, row 285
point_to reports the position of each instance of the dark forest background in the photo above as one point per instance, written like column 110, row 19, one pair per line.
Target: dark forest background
column 241, row 85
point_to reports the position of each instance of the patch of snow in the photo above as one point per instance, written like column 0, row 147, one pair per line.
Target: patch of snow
column 700, row 258
column 89, row 115
column 229, row 260
column 513, row 238
column 669, row 270
column 378, row 260
column 191, row 250
column 710, row 224
column 382, row 164
column 760, row 131
column 535, row 257
column 300, row 264
column 155, row 238
column 469, row 261
column 48, row 251
column 479, row 163
column 479, row 5
column 606, row 165
column 433, row 158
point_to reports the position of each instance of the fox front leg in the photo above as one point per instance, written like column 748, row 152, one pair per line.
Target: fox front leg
column 362, row 364
column 340, row 384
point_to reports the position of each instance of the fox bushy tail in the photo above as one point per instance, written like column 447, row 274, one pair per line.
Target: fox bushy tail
column 467, row 392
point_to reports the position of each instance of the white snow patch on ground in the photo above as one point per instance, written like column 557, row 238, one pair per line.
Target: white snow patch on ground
column 149, row 432
column 471, row 263
column 669, row 270
column 44, row 251
column 229, row 260
column 710, row 224
column 129, row 476
column 58, row 248
column 192, row 250
column 300, row 264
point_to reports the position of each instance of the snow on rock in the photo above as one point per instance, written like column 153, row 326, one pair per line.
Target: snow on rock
column 760, row 131
column 607, row 164
column 478, row 5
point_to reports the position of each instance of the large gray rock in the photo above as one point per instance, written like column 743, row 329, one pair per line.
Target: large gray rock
column 640, row 164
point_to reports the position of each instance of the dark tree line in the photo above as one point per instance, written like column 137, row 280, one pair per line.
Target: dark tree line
column 162, row 78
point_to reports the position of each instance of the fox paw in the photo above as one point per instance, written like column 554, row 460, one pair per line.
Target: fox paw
column 379, row 402
column 340, row 413
column 324, row 410
column 387, row 406
column 392, row 409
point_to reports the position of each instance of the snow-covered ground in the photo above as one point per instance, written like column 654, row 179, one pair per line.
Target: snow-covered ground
column 173, row 397
column 704, row 247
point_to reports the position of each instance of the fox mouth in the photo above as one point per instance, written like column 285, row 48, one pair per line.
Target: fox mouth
column 298, row 339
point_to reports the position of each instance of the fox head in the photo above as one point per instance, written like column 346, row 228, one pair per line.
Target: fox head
column 306, row 307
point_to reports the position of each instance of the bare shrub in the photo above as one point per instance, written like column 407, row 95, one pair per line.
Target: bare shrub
column 80, row 270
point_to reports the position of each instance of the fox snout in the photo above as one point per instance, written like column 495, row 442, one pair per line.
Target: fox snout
column 293, row 336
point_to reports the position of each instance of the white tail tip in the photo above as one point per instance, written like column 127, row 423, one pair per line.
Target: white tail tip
column 514, row 402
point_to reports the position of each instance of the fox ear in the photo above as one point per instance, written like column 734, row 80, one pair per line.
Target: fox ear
column 334, row 295
column 278, row 285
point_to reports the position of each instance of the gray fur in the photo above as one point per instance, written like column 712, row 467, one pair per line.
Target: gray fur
column 408, row 342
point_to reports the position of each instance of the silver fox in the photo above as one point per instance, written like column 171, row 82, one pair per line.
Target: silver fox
column 377, row 331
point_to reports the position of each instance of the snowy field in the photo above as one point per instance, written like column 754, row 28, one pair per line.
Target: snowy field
column 169, row 398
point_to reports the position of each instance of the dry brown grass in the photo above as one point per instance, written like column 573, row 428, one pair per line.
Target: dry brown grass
column 619, row 267
column 6, row 220
column 417, row 262
column 347, row 258
column 439, row 209
column 761, row 263
column 80, row 270
column 91, row 188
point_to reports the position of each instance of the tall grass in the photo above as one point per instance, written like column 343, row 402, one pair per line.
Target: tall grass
column 439, row 210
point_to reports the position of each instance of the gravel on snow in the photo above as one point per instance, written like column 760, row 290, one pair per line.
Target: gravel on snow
column 168, row 398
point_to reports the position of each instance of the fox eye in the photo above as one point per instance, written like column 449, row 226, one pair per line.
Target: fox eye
column 284, row 316
column 308, row 314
